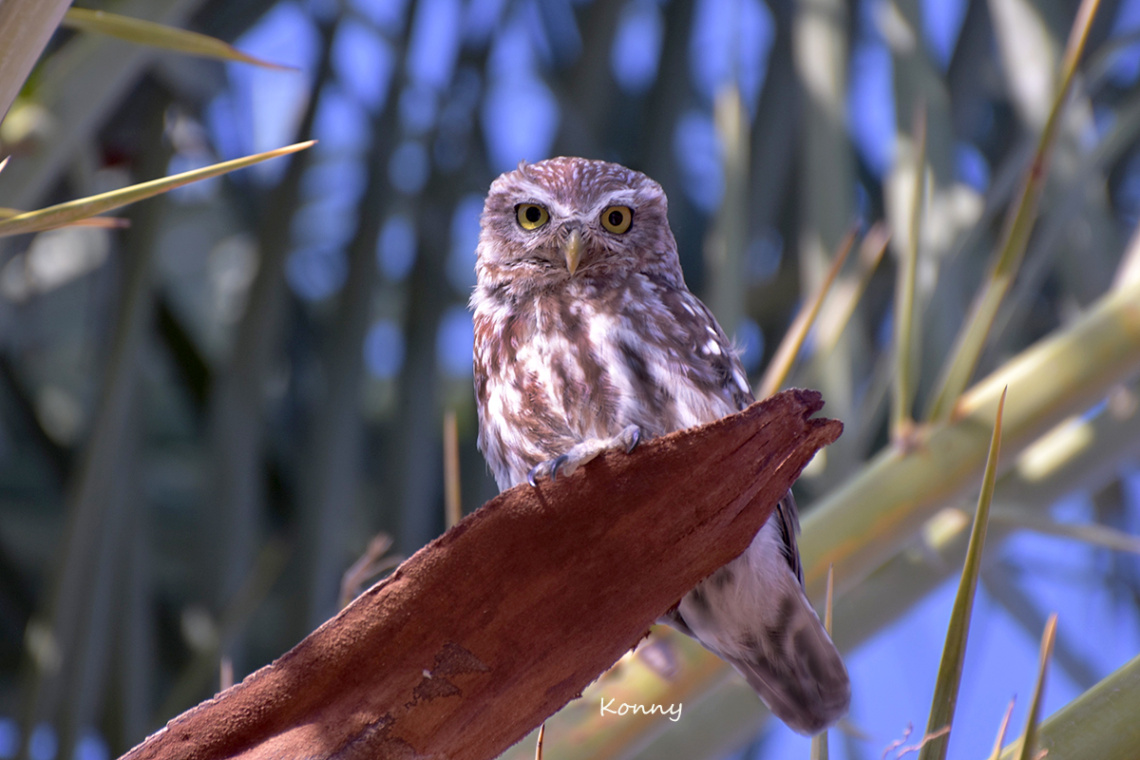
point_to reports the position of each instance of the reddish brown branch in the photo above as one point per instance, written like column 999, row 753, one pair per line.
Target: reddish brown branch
column 501, row 621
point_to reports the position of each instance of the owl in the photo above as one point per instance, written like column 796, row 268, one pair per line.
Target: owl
column 587, row 340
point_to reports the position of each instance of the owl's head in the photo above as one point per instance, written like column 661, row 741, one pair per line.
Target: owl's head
column 567, row 218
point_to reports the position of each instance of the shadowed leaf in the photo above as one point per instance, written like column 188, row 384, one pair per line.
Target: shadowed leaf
column 160, row 36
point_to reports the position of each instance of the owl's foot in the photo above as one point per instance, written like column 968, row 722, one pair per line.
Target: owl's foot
column 583, row 452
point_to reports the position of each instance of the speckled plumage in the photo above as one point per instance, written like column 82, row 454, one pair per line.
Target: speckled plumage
column 578, row 354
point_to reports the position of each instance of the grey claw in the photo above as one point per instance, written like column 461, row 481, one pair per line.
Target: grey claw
column 636, row 440
column 558, row 462
column 531, row 475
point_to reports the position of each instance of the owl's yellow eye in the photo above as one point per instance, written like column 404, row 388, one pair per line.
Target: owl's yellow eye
column 617, row 219
column 531, row 216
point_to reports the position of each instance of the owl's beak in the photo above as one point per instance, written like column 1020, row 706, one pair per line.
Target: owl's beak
column 572, row 249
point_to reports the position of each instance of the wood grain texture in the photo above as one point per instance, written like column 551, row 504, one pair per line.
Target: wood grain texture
column 498, row 623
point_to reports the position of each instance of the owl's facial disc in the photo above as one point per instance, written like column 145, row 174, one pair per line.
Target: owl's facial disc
column 572, row 250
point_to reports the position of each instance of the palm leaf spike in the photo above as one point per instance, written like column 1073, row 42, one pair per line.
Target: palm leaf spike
column 225, row 672
column 98, row 222
column 160, row 36
column 1014, row 239
column 728, row 234
column 84, row 208
column 833, row 320
column 453, row 507
column 1000, row 740
column 781, row 365
column 1029, row 738
column 828, row 609
column 1100, row 723
column 902, row 420
column 954, row 651
column 819, row 748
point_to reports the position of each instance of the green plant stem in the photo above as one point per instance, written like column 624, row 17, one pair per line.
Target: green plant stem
column 861, row 524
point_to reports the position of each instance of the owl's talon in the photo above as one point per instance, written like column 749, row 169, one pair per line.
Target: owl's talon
column 549, row 467
column 558, row 462
column 585, row 451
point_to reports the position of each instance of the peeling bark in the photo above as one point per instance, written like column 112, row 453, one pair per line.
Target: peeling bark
column 497, row 624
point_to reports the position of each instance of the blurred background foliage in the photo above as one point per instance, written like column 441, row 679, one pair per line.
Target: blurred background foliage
column 207, row 417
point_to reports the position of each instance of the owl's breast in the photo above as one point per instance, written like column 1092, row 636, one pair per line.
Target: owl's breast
column 563, row 366
column 607, row 360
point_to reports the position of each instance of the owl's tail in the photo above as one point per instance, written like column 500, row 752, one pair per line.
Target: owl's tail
column 753, row 614
column 797, row 672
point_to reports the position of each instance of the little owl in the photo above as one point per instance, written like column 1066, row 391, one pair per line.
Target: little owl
column 586, row 339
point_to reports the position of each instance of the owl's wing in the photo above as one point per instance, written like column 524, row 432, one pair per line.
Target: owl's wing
column 787, row 519
column 715, row 364
column 705, row 352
